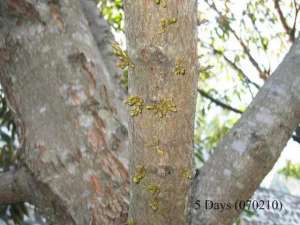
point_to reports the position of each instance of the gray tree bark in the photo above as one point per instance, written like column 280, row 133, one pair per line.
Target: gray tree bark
column 251, row 148
column 58, row 75
column 290, row 213
column 14, row 186
column 63, row 97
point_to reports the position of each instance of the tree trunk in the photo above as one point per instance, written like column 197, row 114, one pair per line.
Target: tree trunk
column 251, row 148
column 164, row 82
column 62, row 95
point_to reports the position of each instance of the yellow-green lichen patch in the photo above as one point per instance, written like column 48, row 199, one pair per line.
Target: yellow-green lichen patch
column 186, row 173
column 159, row 150
column 156, row 145
column 124, row 60
column 163, row 107
column 154, row 204
column 140, row 173
column 164, row 23
column 179, row 68
column 153, row 189
column 136, row 103
column 163, row 3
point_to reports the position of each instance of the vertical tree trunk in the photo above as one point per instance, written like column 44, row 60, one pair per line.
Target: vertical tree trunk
column 162, row 46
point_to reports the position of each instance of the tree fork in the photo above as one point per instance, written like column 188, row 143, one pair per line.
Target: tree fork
column 161, row 39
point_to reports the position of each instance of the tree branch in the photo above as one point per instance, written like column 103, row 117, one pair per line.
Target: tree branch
column 294, row 28
column 251, row 148
column 238, row 69
column 14, row 186
column 262, row 73
column 218, row 102
column 283, row 21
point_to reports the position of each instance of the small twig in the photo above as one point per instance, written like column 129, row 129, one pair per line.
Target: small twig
column 283, row 21
column 218, row 102
column 244, row 46
column 238, row 69
column 293, row 31
column 255, row 28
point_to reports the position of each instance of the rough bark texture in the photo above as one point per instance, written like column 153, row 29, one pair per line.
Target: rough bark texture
column 251, row 148
column 289, row 215
column 59, row 89
column 161, row 39
column 104, row 39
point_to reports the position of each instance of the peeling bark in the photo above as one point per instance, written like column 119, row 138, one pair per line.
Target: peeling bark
column 104, row 39
column 58, row 88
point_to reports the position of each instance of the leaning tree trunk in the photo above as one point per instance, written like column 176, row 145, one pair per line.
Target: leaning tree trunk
column 251, row 148
column 61, row 92
column 161, row 38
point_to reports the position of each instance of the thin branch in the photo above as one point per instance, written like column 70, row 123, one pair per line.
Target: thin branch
column 218, row 102
column 297, row 10
column 262, row 74
column 266, row 73
column 234, row 66
column 14, row 186
column 283, row 21
column 255, row 27
column 247, row 51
